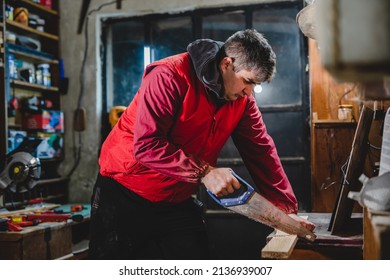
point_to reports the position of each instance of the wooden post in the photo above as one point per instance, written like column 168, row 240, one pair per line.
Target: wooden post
column 343, row 209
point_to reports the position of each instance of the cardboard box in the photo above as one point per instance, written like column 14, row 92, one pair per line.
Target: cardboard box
column 15, row 138
column 48, row 120
column 51, row 145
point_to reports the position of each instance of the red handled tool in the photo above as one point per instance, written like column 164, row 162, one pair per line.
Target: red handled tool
column 53, row 217
column 13, row 227
column 49, row 217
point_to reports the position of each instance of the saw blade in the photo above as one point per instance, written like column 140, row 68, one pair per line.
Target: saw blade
column 261, row 210
column 21, row 173
column 247, row 202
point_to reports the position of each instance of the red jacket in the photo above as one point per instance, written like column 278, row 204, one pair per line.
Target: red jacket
column 172, row 128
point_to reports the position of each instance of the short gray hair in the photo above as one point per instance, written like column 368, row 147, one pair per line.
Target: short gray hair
column 252, row 52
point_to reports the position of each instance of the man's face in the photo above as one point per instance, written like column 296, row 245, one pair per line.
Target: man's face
column 236, row 84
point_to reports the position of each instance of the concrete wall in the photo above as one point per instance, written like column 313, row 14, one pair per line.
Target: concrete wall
column 72, row 52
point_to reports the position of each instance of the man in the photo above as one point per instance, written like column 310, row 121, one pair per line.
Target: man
column 167, row 142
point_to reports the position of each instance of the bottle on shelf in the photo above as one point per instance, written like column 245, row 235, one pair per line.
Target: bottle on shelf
column 46, row 77
column 12, row 70
column 9, row 12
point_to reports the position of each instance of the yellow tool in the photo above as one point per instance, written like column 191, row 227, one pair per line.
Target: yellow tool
column 115, row 114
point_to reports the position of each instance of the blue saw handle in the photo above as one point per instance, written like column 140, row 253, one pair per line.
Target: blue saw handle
column 239, row 196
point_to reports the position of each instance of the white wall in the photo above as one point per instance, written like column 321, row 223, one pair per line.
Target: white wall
column 72, row 51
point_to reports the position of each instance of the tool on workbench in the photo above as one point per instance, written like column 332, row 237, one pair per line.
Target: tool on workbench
column 76, row 208
column 21, row 170
column 17, row 205
column 16, row 223
column 73, row 211
column 17, row 219
column 251, row 204
column 54, row 217
column 13, row 227
column 48, row 217
column 21, row 173
column 35, row 201
column 22, row 222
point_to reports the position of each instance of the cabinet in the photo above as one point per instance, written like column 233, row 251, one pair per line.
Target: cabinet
column 30, row 104
column 331, row 145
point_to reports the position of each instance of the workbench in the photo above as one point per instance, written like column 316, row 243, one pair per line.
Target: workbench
column 345, row 246
column 48, row 240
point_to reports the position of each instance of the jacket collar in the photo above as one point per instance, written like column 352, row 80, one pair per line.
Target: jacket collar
column 206, row 55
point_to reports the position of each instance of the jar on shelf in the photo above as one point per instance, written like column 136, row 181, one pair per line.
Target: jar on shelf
column 46, row 76
column 21, row 15
column 345, row 112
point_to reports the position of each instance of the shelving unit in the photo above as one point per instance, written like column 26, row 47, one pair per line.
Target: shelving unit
column 12, row 25
column 22, row 84
column 31, row 45
column 33, row 58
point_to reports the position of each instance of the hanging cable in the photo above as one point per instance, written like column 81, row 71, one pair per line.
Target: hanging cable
column 77, row 149
column 345, row 93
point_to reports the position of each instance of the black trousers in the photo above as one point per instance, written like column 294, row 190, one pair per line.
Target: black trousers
column 127, row 226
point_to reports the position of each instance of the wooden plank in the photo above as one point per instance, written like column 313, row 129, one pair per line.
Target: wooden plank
column 280, row 246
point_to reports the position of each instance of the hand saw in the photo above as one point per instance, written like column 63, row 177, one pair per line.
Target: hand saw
column 251, row 204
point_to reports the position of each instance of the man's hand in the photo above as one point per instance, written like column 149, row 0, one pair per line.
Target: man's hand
column 220, row 181
column 307, row 224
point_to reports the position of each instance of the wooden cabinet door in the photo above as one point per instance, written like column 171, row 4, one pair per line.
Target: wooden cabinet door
column 331, row 145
